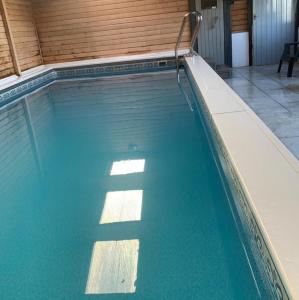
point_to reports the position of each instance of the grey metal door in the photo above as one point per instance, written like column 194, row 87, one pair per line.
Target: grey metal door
column 211, row 36
column 273, row 25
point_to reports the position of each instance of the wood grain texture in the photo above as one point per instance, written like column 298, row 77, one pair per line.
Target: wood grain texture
column 24, row 33
column 7, row 66
column 85, row 29
column 240, row 16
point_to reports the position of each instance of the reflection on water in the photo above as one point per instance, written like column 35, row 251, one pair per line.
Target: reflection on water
column 124, row 167
column 122, row 206
column 113, row 267
column 25, row 143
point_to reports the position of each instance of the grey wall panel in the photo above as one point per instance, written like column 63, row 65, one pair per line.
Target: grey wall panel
column 211, row 36
column 273, row 25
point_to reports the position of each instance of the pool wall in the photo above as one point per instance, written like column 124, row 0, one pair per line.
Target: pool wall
column 63, row 72
column 262, row 174
column 256, row 243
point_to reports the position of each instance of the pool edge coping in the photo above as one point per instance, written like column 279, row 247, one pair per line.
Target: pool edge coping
column 211, row 86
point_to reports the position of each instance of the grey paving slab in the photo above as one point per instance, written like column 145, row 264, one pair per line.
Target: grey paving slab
column 283, row 96
column 266, row 84
column 249, row 91
column 273, row 97
column 293, row 108
column 292, row 86
column 282, row 125
column 265, row 105
column 238, row 82
column 292, row 143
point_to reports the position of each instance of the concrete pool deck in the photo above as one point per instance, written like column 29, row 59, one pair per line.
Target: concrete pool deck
column 273, row 97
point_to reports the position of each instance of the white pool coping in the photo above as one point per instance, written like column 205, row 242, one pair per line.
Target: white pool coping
column 267, row 170
column 12, row 80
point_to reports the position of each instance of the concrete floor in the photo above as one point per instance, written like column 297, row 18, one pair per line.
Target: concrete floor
column 273, row 97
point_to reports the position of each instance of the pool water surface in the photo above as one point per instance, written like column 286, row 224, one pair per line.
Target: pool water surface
column 109, row 190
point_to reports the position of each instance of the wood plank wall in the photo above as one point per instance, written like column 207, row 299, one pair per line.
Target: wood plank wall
column 24, row 33
column 6, row 64
column 240, row 16
column 85, row 29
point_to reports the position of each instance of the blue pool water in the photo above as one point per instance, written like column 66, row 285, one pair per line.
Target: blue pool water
column 109, row 191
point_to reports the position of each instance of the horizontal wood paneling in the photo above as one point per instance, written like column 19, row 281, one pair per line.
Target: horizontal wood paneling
column 85, row 29
column 6, row 64
column 240, row 16
column 20, row 15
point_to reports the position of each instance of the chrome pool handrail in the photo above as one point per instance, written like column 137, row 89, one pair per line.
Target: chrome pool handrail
column 194, row 35
column 191, row 50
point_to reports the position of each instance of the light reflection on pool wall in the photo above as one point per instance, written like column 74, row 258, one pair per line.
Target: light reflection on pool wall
column 122, row 206
column 130, row 166
column 113, row 267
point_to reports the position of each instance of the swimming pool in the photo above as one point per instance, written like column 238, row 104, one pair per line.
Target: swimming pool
column 110, row 190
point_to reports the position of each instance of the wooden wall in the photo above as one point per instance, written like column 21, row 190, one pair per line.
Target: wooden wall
column 240, row 16
column 24, row 33
column 6, row 64
column 85, row 29
column 19, row 43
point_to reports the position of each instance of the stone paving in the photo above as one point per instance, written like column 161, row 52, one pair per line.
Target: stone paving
column 273, row 97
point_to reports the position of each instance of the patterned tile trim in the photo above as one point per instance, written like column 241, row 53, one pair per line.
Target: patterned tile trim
column 19, row 90
column 10, row 94
column 115, row 68
column 254, row 235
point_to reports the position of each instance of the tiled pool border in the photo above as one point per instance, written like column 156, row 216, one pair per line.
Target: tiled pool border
column 11, row 93
column 257, row 243
column 88, row 71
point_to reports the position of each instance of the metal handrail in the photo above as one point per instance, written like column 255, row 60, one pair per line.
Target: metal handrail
column 191, row 49
column 194, row 36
